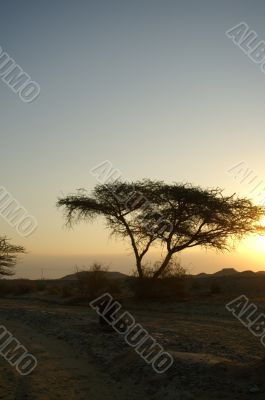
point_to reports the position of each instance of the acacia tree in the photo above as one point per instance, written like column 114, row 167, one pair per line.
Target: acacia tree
column 8, row 256
column 174, row 216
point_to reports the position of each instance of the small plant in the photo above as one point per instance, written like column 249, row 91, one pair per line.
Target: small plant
column 41, row 285
column 196, row 285
column 169, row 285
column 66, row 291
column 53, row 290
column 5, row 287
column 215, row 288
column 92, row 282
column 8, row 256
column 22, row 286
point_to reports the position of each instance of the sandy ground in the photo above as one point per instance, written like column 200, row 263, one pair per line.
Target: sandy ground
column 215, row 356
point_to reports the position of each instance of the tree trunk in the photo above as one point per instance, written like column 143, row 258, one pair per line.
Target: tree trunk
column 163, row 265
column 139, row 268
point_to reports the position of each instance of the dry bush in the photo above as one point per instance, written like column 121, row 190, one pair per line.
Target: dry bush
column 114, row 287
column 174, row 270
column 150, row 288
column 17, row 287
column 41, row 285
column 171, row 283
column 53, row 290
column 67, row 290
column 24, row 286
column 195, row 284
column 5, row 287
column 215, row 288
column 93, row 282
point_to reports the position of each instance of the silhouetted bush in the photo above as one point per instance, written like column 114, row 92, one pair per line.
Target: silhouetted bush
column 67, row 290
column 114, row 287
column 17, row 287
column 5, row 287
column 53, row 290
column 94, row 282
column 41, row 286
column 158, row 288
column 195, row 285
column 215, row 288
column 23, row 286
column 170, row 284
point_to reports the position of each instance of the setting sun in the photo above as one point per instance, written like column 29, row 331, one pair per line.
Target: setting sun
column 258, row 241
column 253, row 246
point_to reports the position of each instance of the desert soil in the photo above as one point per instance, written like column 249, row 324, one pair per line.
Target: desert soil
column 215, row 356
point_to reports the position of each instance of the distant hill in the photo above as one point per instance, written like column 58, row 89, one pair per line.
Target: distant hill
column 223, row 273
column 248, row 273
column 226, row 272
column 230, row 282
column 202, row 275
column 232, row 272
column 109, row 274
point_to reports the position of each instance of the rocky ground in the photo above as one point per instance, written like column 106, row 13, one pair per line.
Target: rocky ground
column 215, row 357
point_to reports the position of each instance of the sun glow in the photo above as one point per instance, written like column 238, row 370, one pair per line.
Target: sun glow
column 259, row 243
column 259, row 240
column 256, row 243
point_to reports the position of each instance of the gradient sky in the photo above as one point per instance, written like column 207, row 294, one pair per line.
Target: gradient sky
column 156, row 87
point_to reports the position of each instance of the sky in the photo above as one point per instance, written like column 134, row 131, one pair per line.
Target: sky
column 155, row 87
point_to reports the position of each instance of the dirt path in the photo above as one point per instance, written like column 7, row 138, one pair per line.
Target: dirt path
column 79, row 361
column 60, row 374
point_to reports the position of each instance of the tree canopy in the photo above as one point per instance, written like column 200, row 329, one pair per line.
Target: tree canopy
column 175, row 216
column 8, row 256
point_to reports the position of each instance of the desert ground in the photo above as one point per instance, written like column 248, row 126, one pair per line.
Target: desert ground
column 215, row 357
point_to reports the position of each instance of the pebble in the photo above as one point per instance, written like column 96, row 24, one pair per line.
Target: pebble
column 254, row 389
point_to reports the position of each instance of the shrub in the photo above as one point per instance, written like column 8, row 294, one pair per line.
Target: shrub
column 22, row 286
column 94, row 282
column 195, row 285
column 215, row 288
column 158, row 288
column 113, row 287
column 66, row 291
column 40, row 285
column 170, row 284
column 173, row 270
column 53, row 290
column 5, row 287
column 16, row 286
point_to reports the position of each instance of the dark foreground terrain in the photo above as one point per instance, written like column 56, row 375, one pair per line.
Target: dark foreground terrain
column 215, row 356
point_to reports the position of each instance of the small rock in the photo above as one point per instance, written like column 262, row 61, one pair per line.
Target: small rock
column 254, row 389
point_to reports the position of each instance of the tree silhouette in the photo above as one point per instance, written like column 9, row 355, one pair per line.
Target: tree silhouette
column 8, row 256
column 176, row 216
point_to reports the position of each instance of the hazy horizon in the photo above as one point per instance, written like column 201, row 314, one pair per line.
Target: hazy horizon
column 53, row 267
